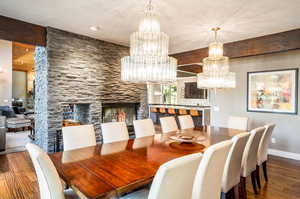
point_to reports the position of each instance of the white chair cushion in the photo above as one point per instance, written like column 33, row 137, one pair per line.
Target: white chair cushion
column 186, row 122
column 114, row 131
column 143, row 128
column 75, row 137
column 168, row 124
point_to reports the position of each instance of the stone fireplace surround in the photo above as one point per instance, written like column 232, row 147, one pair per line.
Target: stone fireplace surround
column 75, row 69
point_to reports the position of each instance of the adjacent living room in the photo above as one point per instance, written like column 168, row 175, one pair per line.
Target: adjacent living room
column 16, row 95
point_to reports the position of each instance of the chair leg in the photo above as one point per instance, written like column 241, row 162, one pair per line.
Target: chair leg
column 228, row 195
column 253, row 180
column 258, row 177
column 223, row 195
column 236, row 192
column 264, row 164
column 242, row 188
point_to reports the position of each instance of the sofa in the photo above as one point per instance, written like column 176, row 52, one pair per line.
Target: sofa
column 14, row 121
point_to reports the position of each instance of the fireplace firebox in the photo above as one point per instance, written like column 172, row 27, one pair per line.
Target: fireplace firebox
column 120, row 112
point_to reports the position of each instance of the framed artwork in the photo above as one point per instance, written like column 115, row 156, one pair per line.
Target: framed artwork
column 273, row 91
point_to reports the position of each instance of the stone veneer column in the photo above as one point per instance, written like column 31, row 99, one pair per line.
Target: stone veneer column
column 41, row 99
column 77, row 69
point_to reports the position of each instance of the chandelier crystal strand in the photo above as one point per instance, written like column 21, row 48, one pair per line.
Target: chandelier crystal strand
column 149, row 61
column 216, row 72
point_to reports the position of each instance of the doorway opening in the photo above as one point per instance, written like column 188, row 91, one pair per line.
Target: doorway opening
column 17, row 74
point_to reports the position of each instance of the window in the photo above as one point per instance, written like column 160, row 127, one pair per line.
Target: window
column 169, row 94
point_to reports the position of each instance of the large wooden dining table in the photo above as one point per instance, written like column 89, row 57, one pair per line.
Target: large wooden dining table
column 110, row 170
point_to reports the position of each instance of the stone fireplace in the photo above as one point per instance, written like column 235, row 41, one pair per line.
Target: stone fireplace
column 77, row 112
column 85, row 73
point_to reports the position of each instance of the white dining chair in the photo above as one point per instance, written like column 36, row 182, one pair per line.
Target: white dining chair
column 143, row 128
column 48, row 179
column 168, row 124
column 193, row 176
column 174, row 179
column 262, row 154
column 75, row 137
column 208, row 179
column 186, row 122
column 249, row 160
column 233, row 166
column 114, row 132
column 240, row 123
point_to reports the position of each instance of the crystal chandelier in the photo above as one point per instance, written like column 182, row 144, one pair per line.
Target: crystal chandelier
column 216, row 68
column 149, row 61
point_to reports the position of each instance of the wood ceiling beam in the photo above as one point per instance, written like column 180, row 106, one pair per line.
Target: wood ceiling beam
column 20, row 31
column 274, row 43
column 193, row 68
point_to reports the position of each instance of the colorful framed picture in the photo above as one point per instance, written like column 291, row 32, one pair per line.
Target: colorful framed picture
column 273, row 91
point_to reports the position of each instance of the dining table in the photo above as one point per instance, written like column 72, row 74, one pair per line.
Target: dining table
column 113, row 169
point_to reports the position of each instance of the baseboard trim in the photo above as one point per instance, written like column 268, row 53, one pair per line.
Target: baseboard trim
column 284, row 154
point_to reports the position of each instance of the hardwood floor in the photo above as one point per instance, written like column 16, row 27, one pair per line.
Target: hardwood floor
column 17, row 177
column 18, row 180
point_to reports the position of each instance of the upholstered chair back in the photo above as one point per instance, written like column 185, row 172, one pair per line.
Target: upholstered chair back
column 175, row 178
column 186, row 122
column 143, row 128
column 114, row 132
column 233, row 165
column 262, row 154
column 208, row 179
column 168, row 124
column 48, row 179
column 75, row 137
column 250, row 153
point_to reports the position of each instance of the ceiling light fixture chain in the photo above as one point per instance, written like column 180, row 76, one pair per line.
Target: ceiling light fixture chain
column 216, row 29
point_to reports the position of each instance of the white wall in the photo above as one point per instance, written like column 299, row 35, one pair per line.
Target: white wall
column 19, row 84
column 6, row 74
column 234, row 101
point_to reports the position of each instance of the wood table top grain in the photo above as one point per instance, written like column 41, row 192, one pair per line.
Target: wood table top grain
column 107, row 170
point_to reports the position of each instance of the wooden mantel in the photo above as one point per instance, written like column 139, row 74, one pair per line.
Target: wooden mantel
column 274, row 43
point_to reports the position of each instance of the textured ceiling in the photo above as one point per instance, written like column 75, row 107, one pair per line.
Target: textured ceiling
column 187, row 22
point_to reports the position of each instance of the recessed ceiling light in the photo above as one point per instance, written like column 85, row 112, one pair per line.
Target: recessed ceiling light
column 95, row 28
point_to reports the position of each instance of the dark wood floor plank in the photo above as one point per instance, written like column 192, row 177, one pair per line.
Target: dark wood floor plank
column 18, row 180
